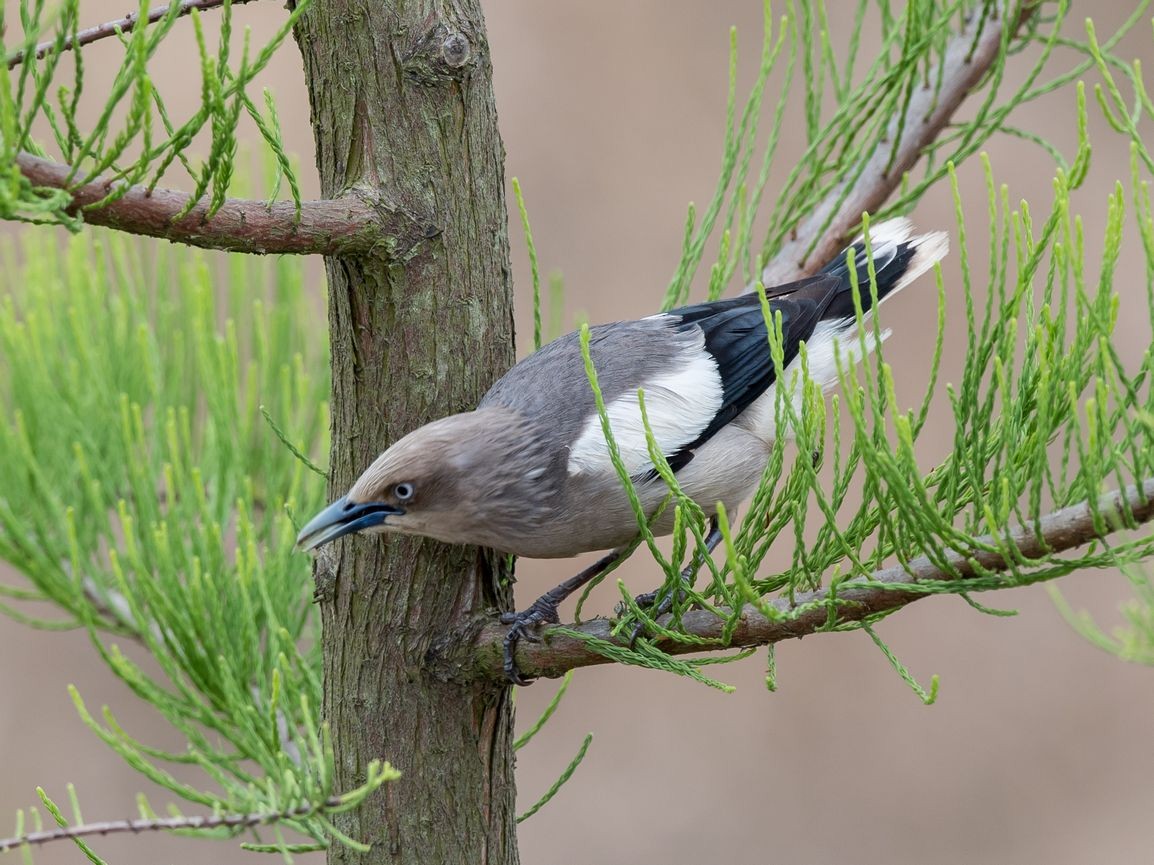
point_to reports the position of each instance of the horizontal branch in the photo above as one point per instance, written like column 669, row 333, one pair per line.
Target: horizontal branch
column 888, row 590
column 968, row 57
column 110, row 28
column 164, row 824
column 342, row 226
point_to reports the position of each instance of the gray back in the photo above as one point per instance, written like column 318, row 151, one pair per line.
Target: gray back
column 551, row 385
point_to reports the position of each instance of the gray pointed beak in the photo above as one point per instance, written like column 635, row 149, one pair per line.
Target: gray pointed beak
column 341, row 518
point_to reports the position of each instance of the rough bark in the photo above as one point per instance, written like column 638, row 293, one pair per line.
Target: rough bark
column 402, row 108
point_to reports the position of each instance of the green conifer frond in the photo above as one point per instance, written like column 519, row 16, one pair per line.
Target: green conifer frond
column 135, row 138
column 1042, row 373
column 217, row 824
column 137, row 402
column 916, row 52
column 1132, row 639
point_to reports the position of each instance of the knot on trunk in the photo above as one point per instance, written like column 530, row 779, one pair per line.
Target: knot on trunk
column 440, row 52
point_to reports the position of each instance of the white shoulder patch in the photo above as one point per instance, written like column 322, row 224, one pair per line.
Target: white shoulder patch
column 680, row 404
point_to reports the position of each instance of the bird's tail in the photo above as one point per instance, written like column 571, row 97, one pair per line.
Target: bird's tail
column 899, row 257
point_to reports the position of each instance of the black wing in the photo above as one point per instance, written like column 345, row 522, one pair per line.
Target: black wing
column 736, row 337
column 735, row 331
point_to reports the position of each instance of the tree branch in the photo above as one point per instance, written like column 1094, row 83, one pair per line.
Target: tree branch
column 110, row 28
column 887, row 590
column 158, row 824
column 343, row 226
column 968, row 57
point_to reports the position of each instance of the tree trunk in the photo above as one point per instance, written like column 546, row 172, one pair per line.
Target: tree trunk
column 403, row 115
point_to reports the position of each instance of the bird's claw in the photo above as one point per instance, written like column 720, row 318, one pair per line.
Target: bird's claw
column 657, row 609
column 677, row 595
column 645, row 599
column 523, row 626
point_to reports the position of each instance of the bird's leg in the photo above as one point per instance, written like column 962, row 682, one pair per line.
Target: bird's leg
column 712, row 539
column 544, row 610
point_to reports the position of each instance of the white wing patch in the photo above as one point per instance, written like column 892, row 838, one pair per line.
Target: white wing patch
column 679, row 404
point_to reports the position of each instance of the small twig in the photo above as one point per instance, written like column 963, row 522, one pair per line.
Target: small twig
column 113, row 613
column 889, row 589
column 121, row 25
column 159, row 824
column 968, row 57
column 343, row 226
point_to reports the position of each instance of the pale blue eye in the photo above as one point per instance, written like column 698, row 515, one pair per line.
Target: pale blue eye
column 403, row 491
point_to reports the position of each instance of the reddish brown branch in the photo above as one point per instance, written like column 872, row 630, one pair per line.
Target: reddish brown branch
column 968, row 57
column 343, row 226
column 121, row 25
column 1060, row 531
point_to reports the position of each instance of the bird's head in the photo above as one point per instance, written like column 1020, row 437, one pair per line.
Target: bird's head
column 470, row 478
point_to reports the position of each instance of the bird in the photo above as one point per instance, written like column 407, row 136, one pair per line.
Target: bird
column 529, row 473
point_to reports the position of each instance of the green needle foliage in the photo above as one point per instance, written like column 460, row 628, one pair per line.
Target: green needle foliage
column 1134, row 639
column 1047, row 415
column 135, row 139
column 148, row 501
column 842, row 143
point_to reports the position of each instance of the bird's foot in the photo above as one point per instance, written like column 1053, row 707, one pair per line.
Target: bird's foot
column 657, row 608
column 544, row 611
column 523, row 626
column 645, row 599
column 679, row 593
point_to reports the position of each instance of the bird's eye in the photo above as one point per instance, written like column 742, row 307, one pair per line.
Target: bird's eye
column 403, row 491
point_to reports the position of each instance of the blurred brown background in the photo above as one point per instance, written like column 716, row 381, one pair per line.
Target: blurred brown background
column 1039, row 749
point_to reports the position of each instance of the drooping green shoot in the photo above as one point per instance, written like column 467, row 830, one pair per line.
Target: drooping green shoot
column 543, row 719
column 1131, row 640
column 561, row 780
column 534, row 270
